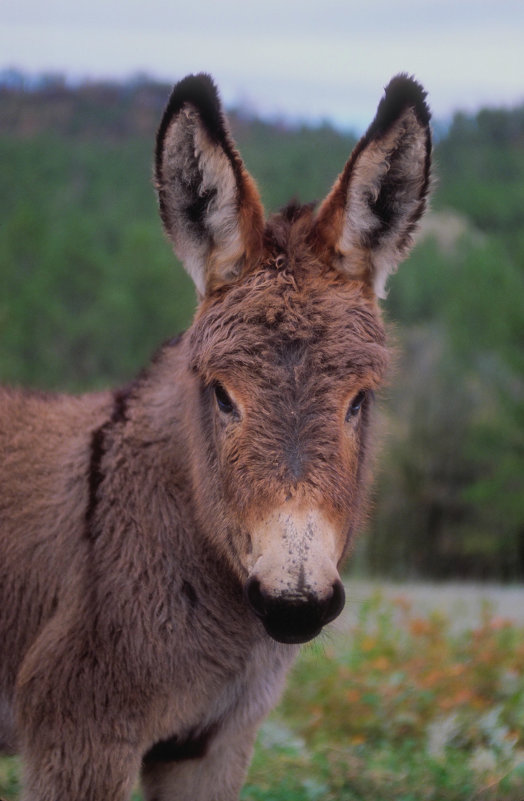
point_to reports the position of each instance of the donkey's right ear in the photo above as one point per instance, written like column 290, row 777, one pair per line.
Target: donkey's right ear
column 367, row 220
column 209, row 203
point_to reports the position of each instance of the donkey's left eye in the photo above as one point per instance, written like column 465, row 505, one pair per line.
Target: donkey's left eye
column 356, row 405
column 224, row 402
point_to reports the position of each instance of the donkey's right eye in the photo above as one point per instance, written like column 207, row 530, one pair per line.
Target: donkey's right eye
column 224, row 402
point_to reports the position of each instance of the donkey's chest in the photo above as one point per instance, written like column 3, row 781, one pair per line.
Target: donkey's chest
column 209, row 694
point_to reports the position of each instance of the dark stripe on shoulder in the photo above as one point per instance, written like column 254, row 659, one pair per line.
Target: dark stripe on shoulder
column 98, row 449
column 95, row 475
column 119, row 414
column 120, row 401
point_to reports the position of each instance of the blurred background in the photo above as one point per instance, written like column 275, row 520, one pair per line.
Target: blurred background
column 89, row 286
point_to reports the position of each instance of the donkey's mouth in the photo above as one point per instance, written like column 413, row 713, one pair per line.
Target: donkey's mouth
column 292, row 620
column 280, row 634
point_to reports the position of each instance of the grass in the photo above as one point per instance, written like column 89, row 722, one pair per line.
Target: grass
column 402, row 708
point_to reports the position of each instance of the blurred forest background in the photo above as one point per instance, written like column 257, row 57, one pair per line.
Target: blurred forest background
column 89, row 288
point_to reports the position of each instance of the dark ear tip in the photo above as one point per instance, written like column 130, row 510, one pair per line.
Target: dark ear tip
column 402, row 92
column 199, row 91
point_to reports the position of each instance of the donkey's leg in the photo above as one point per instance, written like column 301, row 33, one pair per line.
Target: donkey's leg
column 217, row 775
column 80, row 733
column 98, row 774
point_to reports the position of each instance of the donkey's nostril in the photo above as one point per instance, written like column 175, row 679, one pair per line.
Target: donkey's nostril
column 293, row 619
column 336, row 603
column 255, row 597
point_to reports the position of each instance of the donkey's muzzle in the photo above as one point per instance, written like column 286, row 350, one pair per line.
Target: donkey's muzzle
column 294, row 619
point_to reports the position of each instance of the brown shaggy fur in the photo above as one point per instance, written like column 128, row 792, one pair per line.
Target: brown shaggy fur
column 165, row 547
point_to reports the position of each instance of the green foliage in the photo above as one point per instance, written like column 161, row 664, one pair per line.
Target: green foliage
column 481, row 169
column 9, row 777
column 405, row 711
column 291, row 164
column 451, row 480
column 89, row 285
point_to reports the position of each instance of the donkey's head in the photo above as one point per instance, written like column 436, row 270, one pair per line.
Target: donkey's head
column 288, row 344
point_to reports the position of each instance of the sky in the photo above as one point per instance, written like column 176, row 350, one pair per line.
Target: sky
column 299, row 59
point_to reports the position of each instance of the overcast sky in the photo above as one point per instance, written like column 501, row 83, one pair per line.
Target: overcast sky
column 327, row 59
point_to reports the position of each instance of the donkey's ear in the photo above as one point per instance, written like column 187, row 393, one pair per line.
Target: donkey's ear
column 208, row 202
column 367, row 220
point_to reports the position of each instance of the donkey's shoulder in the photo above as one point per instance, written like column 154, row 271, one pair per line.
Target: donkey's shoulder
column 44, row 423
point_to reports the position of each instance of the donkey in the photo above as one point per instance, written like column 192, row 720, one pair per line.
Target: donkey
column 165, row 548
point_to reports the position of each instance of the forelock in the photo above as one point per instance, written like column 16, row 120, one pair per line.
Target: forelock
column 289, row 307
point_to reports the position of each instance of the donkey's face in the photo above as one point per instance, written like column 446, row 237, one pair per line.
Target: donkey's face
column 288, row 345
column 287, row 362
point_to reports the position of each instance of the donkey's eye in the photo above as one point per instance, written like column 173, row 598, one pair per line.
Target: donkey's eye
column 356, row 405
column 224, row 402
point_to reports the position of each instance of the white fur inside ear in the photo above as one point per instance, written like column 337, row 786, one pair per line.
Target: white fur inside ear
column 394, row 163
column 384, row 266
column 195, row 171
column 223, row 211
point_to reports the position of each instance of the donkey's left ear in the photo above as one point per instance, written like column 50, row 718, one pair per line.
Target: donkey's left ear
column 367, row 220
column 208, row 202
